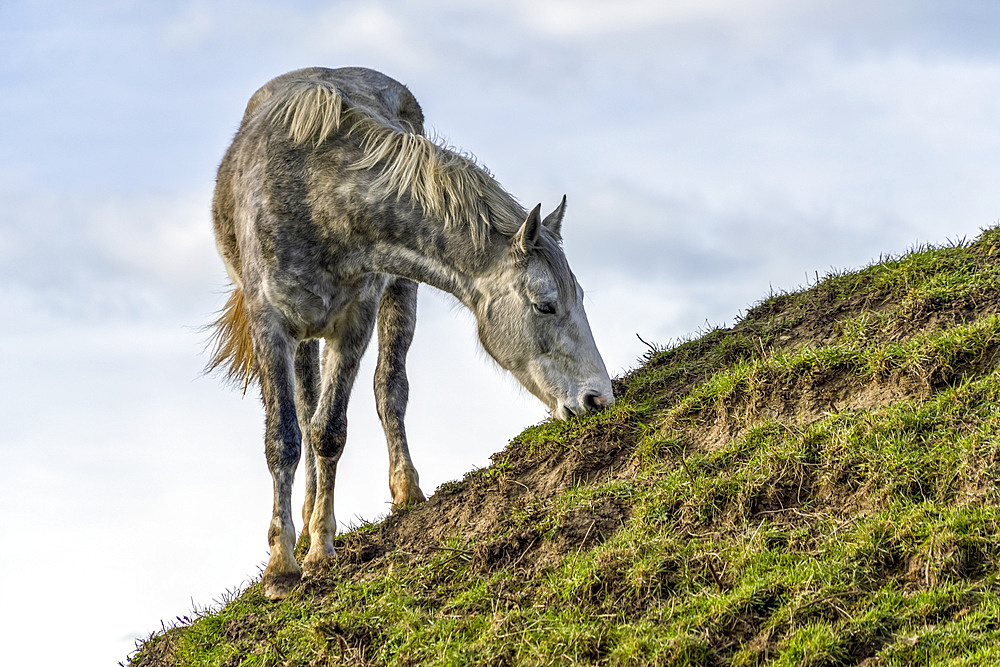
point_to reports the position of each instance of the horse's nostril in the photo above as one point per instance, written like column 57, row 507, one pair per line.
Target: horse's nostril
column 594, row 402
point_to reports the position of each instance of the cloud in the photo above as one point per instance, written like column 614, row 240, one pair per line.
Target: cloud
column 66, row 258
column 193, row 24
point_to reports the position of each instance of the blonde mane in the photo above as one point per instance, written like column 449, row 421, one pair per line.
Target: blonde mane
column 447, row 185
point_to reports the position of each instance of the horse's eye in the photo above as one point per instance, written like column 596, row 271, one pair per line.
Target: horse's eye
column 544, row 308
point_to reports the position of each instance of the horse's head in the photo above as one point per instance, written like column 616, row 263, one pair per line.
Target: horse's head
column 531, row 321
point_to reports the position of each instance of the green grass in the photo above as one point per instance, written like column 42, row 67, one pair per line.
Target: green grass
column 815, row 486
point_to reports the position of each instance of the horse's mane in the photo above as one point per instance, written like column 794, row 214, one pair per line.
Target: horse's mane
column 447, row 185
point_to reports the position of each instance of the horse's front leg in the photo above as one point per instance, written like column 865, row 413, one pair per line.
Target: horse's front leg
column 306, row 396
column 328, row 430
column 397, row 316
column 273, row 357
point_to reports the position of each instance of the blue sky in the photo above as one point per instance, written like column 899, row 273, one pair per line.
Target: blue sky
column 711, row 151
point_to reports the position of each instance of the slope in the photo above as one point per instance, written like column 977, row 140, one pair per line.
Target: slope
column 816, row 485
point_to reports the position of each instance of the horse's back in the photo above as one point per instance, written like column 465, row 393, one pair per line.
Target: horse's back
column 369, row 91
column 361, row 87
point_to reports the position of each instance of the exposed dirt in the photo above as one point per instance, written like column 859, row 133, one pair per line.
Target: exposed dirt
column 492, row 509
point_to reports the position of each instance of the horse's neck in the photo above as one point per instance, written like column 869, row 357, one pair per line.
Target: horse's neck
column 428, row 252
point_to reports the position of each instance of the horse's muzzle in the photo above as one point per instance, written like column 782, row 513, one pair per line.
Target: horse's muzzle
column 595, row 402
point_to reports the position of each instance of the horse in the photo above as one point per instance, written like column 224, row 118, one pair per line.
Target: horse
column 330, row 206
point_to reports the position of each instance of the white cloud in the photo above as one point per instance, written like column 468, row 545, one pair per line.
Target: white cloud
column 591, row 18
column 194, row 24
column 75, row 258
column 167, row 239
column 373, row 34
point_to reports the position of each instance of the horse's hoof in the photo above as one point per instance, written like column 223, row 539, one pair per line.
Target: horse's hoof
column 278, row 585
column 405, row 487
column 414, row 497
column 317, row 562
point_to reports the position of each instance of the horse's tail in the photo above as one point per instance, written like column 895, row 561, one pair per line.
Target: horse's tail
column 231, row 342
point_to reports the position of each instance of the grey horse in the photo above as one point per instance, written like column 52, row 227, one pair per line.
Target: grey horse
column 330, row 206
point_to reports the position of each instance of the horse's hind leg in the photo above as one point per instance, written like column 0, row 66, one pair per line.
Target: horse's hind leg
column 273, row 356
column 306, row 397
column 397, row 315
column 328, row 429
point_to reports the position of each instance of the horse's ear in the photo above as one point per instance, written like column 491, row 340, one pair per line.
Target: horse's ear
column 553, row 221
column 527, row 237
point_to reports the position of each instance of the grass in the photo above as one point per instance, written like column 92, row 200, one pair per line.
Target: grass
column 814, row 486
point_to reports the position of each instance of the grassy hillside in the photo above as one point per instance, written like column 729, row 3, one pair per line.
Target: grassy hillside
column 817, row 485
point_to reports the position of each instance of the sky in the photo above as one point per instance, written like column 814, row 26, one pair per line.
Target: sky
column 712, row 152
